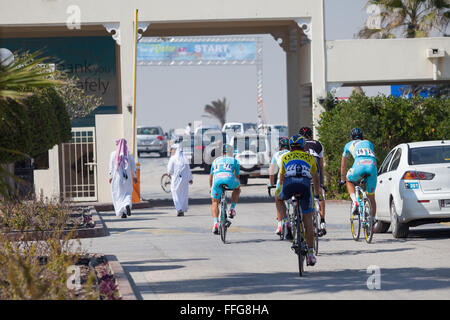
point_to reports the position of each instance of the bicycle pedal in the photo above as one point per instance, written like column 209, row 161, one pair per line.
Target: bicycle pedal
column 228, row 223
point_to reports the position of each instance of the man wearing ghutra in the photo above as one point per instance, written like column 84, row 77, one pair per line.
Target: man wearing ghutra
column 122, row 169
column 179, row 170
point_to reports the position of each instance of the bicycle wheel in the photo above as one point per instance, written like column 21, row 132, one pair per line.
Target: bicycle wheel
column 355, row 224
column 368, row 221
column 300, row 243
column 165, row 182
column 223, row 220
column 316, row 224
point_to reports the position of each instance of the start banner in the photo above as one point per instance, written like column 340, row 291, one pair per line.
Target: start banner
column 182, row 50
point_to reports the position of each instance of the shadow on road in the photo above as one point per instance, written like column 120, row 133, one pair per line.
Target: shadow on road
column 312, row 282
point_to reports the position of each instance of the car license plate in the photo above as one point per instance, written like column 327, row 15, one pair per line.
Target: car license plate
column 445, row 203
column 412, row 185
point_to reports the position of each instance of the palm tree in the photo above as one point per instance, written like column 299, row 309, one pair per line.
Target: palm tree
column 218, row 109
column 18, row 79
column 412, row 18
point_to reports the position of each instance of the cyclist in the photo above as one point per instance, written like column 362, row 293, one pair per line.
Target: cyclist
column 224, row 171
column 315, row 148
column 273, row 170
column 297, row 169
column 364, row 163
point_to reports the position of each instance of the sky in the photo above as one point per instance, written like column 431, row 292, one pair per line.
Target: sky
column 173, row 96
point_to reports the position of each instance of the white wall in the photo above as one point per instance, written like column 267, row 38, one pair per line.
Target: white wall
column 381, row 61
column 108, row 128
column 46, row 182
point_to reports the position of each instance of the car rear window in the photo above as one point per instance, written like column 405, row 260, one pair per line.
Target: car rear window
column 429, row 155
column 148, row 131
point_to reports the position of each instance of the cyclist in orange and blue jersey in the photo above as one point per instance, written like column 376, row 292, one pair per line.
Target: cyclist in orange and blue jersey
column 297, row 169
column 365, row 163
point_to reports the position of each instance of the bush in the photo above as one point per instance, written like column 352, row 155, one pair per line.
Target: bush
column 385, row 120
column 33, row 126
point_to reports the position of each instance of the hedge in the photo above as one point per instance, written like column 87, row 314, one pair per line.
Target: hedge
column 385, row 120
column 33, row 126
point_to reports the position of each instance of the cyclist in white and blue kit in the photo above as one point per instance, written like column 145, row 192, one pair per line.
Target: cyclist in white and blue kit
column 365, row 164
column 275, row 166
column 224, row 171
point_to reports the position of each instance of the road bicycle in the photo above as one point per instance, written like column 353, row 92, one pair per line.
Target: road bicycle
column 224, row 223
column 362, row 218
column 286, row 228
column 295, row 218
column 166, row 180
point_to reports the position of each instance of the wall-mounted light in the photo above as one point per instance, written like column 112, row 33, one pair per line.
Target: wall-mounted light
column 130, row 108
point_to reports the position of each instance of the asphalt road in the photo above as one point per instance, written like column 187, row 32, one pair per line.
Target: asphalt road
column 170, row 257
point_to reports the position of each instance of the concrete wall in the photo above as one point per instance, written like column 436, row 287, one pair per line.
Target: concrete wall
column 93, row 11
column 107, row 130
column 46, row 182
column 385, row 61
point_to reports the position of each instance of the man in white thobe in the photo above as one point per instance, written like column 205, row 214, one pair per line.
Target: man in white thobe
column 179, row 170
column 122, row 169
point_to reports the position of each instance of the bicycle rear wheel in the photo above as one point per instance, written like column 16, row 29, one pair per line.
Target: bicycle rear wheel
column 316, row 224
column 369, row 222
column 300, row 243
column 165, row 182
column 223, row 220
column 355, row 224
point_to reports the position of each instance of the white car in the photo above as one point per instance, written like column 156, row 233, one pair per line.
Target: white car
column 413, row 187
column 151, row 139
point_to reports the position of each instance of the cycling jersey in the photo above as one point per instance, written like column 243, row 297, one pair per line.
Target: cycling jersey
column 359, row 149
column 224, row 170
column 315, row 148
column 276, row 159
column 298, row 164
column 298, row 168
column 365, row 163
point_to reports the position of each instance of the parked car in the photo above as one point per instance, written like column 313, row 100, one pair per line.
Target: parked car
column 272, row 128
column 200, row 149
column 413, row 187
column 254, row 153
column 151, row 139
column 204, row 128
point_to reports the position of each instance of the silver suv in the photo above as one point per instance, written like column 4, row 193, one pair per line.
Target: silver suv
column 151, row 139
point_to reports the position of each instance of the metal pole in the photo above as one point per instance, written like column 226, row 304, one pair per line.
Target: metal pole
column 134, row 80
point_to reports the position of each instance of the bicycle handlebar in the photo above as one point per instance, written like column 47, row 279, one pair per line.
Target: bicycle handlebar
column 270, row 188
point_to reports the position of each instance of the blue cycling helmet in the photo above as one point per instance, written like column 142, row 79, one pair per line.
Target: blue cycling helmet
column 284, row 143
column 297, row 141
column 356, row 134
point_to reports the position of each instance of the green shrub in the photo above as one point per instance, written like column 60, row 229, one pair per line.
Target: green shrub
column 385, row 120
column 33, row 126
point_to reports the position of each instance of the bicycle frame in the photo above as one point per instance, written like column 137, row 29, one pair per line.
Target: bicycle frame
column 224, row 223
column 364, row 214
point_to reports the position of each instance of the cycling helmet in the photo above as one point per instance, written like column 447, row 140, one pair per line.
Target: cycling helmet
column 283, row 143
column 227, row 149
column 306, row 132
column 356, row 133
column 297, row 141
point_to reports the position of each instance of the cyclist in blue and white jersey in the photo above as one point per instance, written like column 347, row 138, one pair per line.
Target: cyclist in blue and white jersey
column 274, row 168
column 365, row 163
column 224, row 171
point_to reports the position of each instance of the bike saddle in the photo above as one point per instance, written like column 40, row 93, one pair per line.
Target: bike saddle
column 225, row 187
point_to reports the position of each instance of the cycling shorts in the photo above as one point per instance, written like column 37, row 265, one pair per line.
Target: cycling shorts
column 362, row 167
column 294, row 185
column 229, row 180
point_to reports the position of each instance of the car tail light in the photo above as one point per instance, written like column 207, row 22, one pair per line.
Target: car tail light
column 417, row 175
column 160, row 138
column 199, row 147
